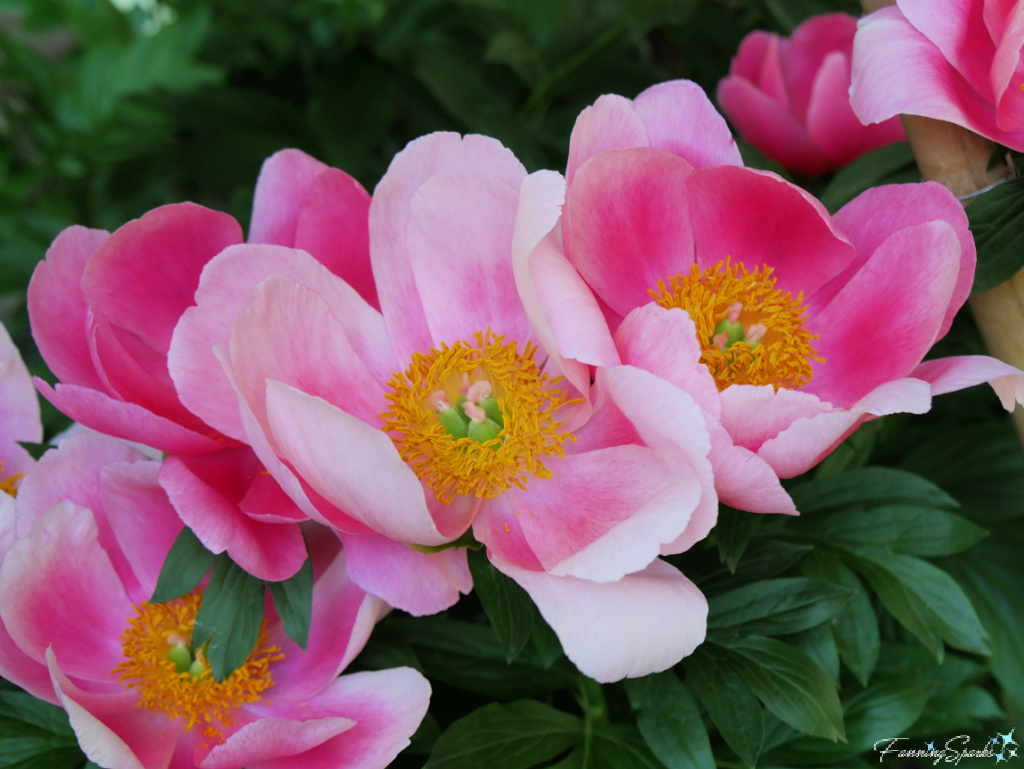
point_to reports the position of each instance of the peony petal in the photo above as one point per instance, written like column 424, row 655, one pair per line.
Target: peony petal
column 644, row 623
column 57, row 307
column 947, row 375
column 415, row 582
column 755, row 414
column 267, row 739
column 19, row 404
column 744, row 480
column 811, row 43
column 281, row 190
column 610, row 123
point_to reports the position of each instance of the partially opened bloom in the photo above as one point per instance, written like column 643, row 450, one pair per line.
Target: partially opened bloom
column 103, row 308
column 958, row 61
column 789, row 97
column 19, row 415
column 450, row 409
column 92, row 529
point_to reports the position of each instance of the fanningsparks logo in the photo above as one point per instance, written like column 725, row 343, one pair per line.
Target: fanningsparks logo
column 1002, row 747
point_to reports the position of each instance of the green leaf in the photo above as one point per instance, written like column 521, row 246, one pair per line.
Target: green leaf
column 790, row 13
column 507, row 605
column 891, row 164
column 790, row 685
column 670, row 721
column 32, row 716
column 997, row 221
column 776, row 606
column 618, row 746
column 230, row 617
column 35, row 734
column 732, row 532
column 730, row 702
column 763, row 559
column 819, row 644
column 855, row 628
column 870, row 485
column 925, row 600
column 518, row 735
column 293, row 599
column 186, row 564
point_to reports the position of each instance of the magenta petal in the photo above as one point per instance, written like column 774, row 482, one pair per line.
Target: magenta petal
column 266, row 501
column 111, row 730
column 811, row 43
column 884, row 320
column 644, row 623
column 58, row 589
column 125, row 420
column 207, row 490
column 630, row 223
column 680, row 119
column 437, row 153
column 57, row 307
column 273, row 738
column 354, row 466
column 459, row 239
column 145, row 275
column 415, row 582
column 610, row 123
column 281, row 189
column 947, row 375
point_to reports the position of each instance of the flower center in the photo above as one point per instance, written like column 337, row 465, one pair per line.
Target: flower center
column 9, row 485
column 749, row 331
column 475, row 418
column 173, row 679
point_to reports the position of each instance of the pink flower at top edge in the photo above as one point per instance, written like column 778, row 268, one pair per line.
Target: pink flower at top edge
column 346, row 408
column 91, row 529
column 857, row 301
column 103, row 309
column 958, row 61
column 19, row 415
column 790, row 97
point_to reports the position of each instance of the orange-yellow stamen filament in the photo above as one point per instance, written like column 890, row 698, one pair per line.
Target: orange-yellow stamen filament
column 156, row 637
column 750, row 332
column 475, row 418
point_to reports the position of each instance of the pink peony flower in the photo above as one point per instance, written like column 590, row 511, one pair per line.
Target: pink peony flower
column 19, row 416
column 447, row 409
column 958, row 61
column 790, row 98
column 103, row 308
column 806, row 324
column 79, row 561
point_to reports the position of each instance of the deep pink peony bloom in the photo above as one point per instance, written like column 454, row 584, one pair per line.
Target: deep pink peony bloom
column 790, row 97
column 103, row 308
column 692, row 260
column 79, row 561
column 357, row 413
column 958, row 61
column 19, row 416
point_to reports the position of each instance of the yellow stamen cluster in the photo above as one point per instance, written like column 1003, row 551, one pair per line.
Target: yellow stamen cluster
column 195, row 699
column 449, row 466
column 783, row 356
column 9, row 485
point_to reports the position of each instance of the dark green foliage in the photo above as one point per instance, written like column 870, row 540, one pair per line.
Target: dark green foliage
column 186, row 564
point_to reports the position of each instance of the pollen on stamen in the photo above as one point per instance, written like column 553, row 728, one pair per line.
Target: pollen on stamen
column 194, row 697
column 496, row 386
column 772, row 345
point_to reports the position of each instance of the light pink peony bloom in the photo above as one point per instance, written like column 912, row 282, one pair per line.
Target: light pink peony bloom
column 832, row 315
column 78, row 563
column 19, row 416
column 790, row 97
column 958, row 61
column 103, row 308
column 575, row 489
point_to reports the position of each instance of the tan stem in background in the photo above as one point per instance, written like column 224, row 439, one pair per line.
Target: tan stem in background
column 958, row 158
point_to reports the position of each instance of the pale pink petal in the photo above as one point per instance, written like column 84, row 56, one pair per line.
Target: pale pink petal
column 947, row 375
column 630, row 223
column 111, row 730
column 884, row 320
column 415, row 582
column 459, row 238
column 145, row 275
column 207, row 491
column 757, row 218
column 436, row 153
column 1007, row 73
column 342, row 619
column 57, row 307
column 125, row 420
column 610, row 123
column 874, row 215
column 744, row 480
column 266, row 501
column 224, row 290
column 281, row 189
column 268, row 739
column 807, row 441
column 19, row 404
column 387, row 706
column 58, row 588
column 644, row 623
column 754, row 414
column 499, row 522
column 680, row 119
column 354, row 466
